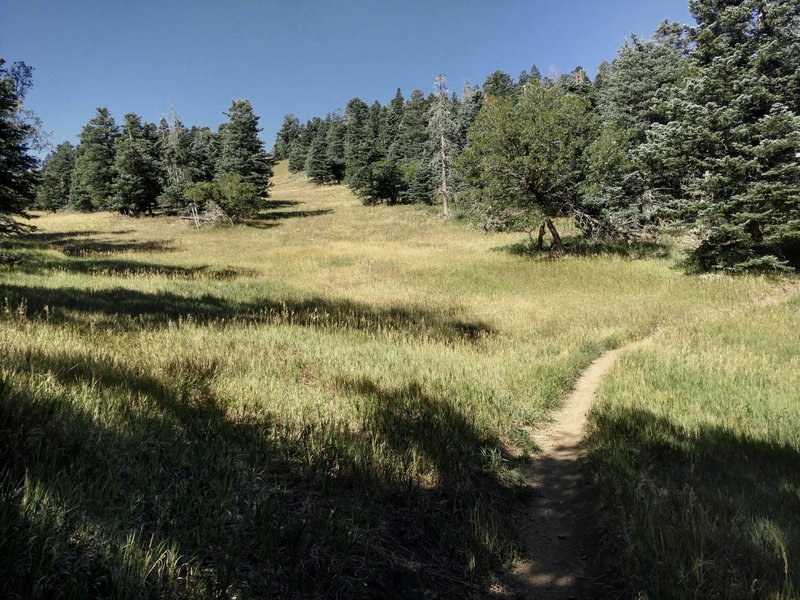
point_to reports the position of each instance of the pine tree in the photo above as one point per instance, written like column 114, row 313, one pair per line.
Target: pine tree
column 241, row 150
column 93, row 174
column 623, row 194
column 17, row 177
column 422, row 184
column 298, row 152
column 203, row 153
column 335, row 147
column 56, row 178
column 359, row 147
column 578, row 83
column 643, row 71
column 468, row 108
column 394, row 123
column 499, row 84
column 534, row 76
column 137, row 175
column 413, row 130
column 286, row 136
column 318, row 169
column 733, row 131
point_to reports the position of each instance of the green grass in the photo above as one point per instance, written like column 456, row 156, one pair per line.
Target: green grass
column 331, row 400
column 697, row 440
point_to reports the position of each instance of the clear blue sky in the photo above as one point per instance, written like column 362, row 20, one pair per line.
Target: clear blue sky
column 304, row 56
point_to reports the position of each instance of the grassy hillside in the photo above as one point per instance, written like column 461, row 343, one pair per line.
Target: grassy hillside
column 330, row 400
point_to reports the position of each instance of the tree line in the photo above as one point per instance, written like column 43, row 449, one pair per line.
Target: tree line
column 140, row 167
column 696, row 128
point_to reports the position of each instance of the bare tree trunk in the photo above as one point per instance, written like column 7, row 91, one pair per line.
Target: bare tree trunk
column 444, row 178
column 558, row 245
column 540, row 241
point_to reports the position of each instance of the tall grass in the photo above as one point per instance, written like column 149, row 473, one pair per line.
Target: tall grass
column 331, row 400
column 697, row 438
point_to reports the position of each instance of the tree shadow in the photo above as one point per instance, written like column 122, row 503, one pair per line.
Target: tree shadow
column 80, row 243
column 271, row 204
column 122, row 307
column 704, row 511
column 253, row 505
column 34, row 262
column 580, row 246
column 461, row 473
column 294, row 214
column 267, row 220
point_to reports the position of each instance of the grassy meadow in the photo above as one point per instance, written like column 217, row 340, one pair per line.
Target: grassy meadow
column 334, row 400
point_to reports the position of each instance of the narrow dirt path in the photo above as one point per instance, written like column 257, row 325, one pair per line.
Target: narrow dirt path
column 564, row 549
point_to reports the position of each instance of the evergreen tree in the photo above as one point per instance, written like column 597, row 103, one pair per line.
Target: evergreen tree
column 422, row 184
column 643, row 71
column 468, row 108
column 203, row 153
column 377, row 128
column 623, row 194
column 137, row 175
column 335, row 148
column 732, row 133
column 241, row 151
column 17, row 177
column 56, row 178
column 318, row 168
column 578, row 83
column 93, row 174
column 603, row 71
column 534, row 76
column 359, row 147
column 413, row 130
column 286, row 137
column 499, row 84
column 298, row 150
column 394, row 123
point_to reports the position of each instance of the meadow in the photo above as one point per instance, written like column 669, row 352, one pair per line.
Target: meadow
column 334, row 400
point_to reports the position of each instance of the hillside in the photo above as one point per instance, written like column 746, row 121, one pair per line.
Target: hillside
column 334, row 400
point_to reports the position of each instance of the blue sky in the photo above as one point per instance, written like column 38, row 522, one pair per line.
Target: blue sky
column 306, row 56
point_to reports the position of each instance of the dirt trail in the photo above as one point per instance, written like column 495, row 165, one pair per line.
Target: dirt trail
column 564, row 548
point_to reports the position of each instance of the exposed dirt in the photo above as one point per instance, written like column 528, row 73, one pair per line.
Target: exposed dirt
column 565, row 551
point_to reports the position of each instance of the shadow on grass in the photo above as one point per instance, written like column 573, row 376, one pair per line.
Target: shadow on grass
column 276, row 204
column 121, row 307
column 294, row 214
column 579, row 246
column 267, row 220
column 80, row 243
column 705, row 513
column 35, row 262
column 247, row 506
column 425, row 432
